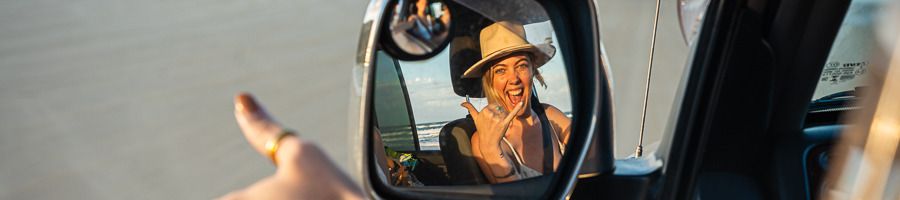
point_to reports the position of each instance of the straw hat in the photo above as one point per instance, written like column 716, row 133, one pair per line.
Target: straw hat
column 503, row 38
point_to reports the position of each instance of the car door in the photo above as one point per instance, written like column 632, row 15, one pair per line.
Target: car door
column 741, row 130
column 738, row 111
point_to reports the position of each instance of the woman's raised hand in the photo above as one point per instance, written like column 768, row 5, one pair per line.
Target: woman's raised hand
column 492, row 121
column 303, row 171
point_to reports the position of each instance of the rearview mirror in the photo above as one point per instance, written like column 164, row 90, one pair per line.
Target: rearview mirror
column 513, row 101
column 417, row 29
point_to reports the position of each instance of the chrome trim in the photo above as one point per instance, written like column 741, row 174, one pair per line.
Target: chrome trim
column 362, row 81
column 639, row 151
column 836, row 109
column 589, row 175
column 369, row 35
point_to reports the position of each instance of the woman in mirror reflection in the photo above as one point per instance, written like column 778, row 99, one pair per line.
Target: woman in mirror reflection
column 516, row 138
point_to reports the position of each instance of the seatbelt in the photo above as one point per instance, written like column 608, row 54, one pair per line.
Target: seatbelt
column 547, row 141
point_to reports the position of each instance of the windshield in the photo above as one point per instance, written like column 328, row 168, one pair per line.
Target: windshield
column 844, row 71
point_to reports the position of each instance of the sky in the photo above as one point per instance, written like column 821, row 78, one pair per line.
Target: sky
column 431, row 92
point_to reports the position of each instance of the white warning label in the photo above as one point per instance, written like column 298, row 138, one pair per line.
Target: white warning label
column 837, row 72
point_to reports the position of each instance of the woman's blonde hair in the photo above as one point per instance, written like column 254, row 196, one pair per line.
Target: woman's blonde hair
column 487, row 78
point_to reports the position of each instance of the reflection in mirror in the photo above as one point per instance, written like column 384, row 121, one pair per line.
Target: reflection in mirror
column 494, row 107
column 419, row 27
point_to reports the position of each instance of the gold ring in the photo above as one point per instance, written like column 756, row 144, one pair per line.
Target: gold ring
column 273, row 144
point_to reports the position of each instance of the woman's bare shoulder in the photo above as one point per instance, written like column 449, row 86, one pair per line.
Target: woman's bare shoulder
column 552, row 110
column 556, row 115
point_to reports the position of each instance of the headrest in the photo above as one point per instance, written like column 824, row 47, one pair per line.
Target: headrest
column 465, row 49
column 464, row 53
column 468, row 21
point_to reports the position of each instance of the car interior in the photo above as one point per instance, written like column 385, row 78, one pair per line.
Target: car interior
column 394, row 115
column 453, row 163
column 749, row 129
column 454, row 138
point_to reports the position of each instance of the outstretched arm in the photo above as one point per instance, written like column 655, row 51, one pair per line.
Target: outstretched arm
column 303, row 170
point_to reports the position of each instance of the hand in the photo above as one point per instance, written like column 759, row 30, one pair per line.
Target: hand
column 492, row 122
column 303, row 171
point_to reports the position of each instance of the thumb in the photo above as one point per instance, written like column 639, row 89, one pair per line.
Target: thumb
column 255, row 123
column 247, row 109
column 472, row 111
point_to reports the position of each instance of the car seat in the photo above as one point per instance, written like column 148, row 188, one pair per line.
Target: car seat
column 455, row 137
column 462, row 169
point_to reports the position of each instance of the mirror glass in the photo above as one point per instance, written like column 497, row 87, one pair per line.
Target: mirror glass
column 419, row 27
column 451, row 119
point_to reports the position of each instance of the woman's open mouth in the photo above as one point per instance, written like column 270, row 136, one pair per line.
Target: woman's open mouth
column 515, row 96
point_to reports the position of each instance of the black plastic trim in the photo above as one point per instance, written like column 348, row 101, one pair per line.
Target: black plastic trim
column 802, row 35
column 409, row 109
column 692, row 127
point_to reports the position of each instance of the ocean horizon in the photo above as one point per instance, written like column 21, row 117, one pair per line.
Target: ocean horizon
column 428, row 134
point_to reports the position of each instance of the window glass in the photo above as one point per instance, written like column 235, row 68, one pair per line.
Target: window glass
column 391, row 111
column 844, row 71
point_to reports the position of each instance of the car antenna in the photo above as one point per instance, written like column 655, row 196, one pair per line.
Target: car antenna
column 639, row 151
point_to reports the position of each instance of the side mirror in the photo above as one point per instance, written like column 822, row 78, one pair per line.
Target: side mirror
column 496, row 54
